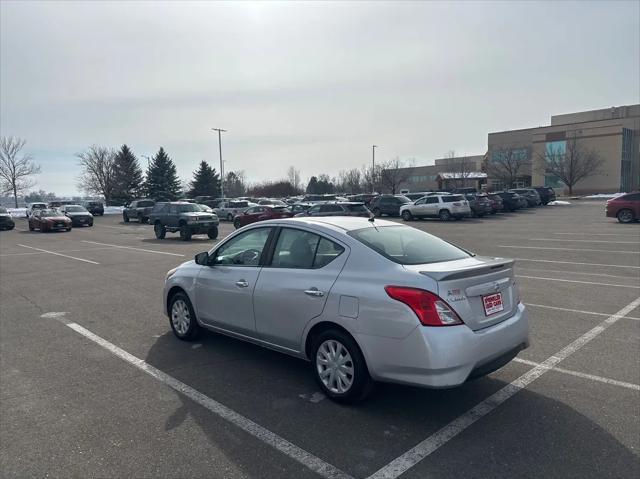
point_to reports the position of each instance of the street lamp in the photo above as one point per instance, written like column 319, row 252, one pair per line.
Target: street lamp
column 148, row 161
column 373, row 167
column 220, row 130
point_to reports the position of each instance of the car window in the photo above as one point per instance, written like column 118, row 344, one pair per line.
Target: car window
column 314, row 209
column 295, row 249
column 406, row 245
column 173, row 208
column 432, row 200
column 631, row 197
column 330, row 208
column 421, row 201
column 327, row 251
column 452, row 198
column 244, row 249
column 357, row 208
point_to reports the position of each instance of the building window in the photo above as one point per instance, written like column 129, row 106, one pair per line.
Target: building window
column 626, row 162
column 554, row 148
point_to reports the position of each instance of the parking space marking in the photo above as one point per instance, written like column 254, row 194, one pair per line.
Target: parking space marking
column 133, row 248
column 416, row 454
column 593, row 313
column 569, row 249
column 578, row 263
column 63, row 251
column 296, row 453
column 582, row 241
column 59, row 254
column 613, row 382
column 632, row 286
column 596, row 234
column 577, row 272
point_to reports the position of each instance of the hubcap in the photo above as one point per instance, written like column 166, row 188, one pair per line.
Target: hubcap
column 625, row 215
column 335, row 366
column 180, row 317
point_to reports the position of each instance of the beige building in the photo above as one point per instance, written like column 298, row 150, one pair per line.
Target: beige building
column 445, row 173
column 614, row 133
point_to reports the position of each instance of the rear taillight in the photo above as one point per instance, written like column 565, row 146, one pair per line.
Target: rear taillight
column 430, row 309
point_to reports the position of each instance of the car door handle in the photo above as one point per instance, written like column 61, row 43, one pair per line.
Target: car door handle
column 314, row 292
column 242, row 284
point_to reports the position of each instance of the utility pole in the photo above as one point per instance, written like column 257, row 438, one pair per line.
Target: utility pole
column 220, row 130
column 373, row 168
column 148, row 161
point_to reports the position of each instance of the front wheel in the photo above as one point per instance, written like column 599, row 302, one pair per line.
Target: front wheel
column 625, row 216
column 236, row 223
column 406, row 215
column 377, row 213
column 159, row 230
column 339, row 367
column 213, row 232
column 31, row 228
column 185, row 232
column 125, row 217
column 444, row 215
column 183, row 318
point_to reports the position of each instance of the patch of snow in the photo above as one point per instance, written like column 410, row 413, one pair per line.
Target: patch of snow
column 603, row 196
column 558, row 203
column 17, row 212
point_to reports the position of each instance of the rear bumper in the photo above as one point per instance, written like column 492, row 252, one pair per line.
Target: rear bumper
column 445, row 357
column 201, row 228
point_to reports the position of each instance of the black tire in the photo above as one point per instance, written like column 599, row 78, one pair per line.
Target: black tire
column 185, row 232
column 229, row 217
column 125, row 217
column 68, row 229
column 361, row 380
column 377, row 213
column 194, row 329
column 625, row 216
column 213, row 232
column 236, row 223
column 141, row 219
column 31, row 228
column 90, row 224
column 406, row 215
column 159, row 230
column 444, row 215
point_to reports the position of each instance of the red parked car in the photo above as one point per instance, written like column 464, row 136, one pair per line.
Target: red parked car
column 261, row 213
column 49, row 220
column 626, row 208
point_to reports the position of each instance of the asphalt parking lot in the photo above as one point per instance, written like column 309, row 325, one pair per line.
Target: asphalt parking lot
column 94, row 384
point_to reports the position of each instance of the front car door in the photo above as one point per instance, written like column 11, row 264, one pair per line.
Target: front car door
column 293, row 288
column 224, row 288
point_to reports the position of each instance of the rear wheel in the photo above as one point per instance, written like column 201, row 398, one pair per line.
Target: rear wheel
column 625, row 216
column 125, row 217
column 406, row 215
column 183, row 318
column 213, row 232
column 159, row 230
column 141, row 219
column 444, row 215
column 185, row 232
column 339, row 367
column 229, row 217
column 31, row 228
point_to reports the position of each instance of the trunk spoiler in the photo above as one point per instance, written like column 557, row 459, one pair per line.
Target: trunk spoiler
column 489, row 266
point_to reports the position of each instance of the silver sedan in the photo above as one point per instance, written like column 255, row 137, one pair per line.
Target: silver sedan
column 362, row 300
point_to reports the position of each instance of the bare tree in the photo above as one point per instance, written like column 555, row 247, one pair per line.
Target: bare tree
column 293, row 175
column 16, row 170
column 371, row 178
column 394, row 173
column 505, row 165
column 571, row 164
column 462, row 169
column 98, row 171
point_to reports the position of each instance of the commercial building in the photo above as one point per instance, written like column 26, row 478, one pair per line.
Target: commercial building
column 445, row 173
column 612, row 133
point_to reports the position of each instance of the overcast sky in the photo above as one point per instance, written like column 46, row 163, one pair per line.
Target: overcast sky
column 307, row 84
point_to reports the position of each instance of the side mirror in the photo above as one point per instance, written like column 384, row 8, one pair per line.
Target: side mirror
column 202, row 258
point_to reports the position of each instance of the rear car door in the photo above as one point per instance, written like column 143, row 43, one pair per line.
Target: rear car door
column 293, row 288
column 224, row 289
column 331, row 210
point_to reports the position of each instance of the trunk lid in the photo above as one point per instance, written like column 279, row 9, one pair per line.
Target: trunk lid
column 470, row 286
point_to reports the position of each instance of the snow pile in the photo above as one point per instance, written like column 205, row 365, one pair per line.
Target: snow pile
column 113, row 210
column 558, row 203
column 603, row 196
column 17, row 212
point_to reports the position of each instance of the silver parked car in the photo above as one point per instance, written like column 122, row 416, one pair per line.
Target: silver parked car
column 362, row 300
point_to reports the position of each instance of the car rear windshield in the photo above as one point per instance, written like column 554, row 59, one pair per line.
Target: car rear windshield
column 76, row 209
column 279, row 209
column 406, row 245
column 452, row 198
column 357, row 208
column 188, row 208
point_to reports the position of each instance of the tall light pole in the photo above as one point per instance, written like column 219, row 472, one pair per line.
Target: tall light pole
column 220, row 130
column 148, row 161
column 373, row 167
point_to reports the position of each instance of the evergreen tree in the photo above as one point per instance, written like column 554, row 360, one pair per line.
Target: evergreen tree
column 206, row 182
column 162, row 178
column 128, row 178
column 312, row 187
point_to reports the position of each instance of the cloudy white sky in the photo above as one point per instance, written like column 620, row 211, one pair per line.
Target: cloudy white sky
column 307, row 84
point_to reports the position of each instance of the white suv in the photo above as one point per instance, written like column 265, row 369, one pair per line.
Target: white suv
column 228, row 210
column 445, row 207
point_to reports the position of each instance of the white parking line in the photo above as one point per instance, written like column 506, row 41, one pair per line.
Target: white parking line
column 596, row 234
column 63, row 251
column 578, row 263
column 132, row 248
column 593, row 377
column 580, row 282
column 59, row 254
column 579, row 273
column 569, row 249
column 582, row 241
column 416, row 454
column 296, row 453
column 568, row 310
